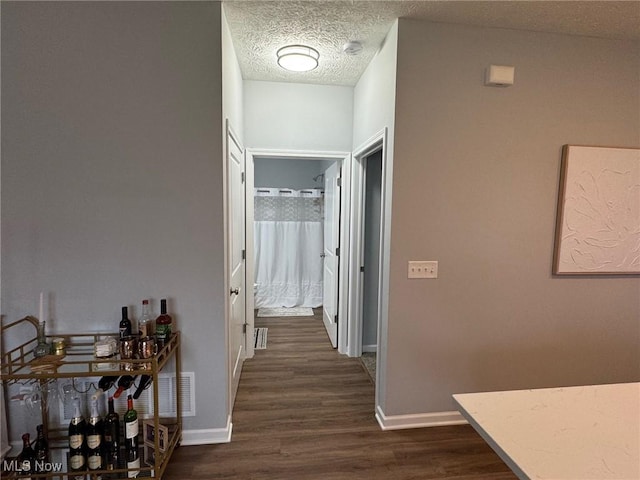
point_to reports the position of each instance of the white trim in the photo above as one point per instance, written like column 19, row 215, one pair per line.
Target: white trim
column 418, row 420
column 206, row 436
column 249, row 267
column 369, row 348
column 373, row 144
column 4, row 451
column 343, row 295
column 226, row 274
column 14, row 446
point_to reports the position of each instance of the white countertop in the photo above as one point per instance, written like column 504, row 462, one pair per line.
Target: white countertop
column 582, row 433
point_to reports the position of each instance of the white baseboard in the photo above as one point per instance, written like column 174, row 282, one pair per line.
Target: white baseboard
column 4, row 451
column 370, row 348
column 418, row 420
column 206, row 436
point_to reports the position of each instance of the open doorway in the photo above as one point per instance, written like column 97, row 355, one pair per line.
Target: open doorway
column 289, row 222
column 369, row 255
column 288, row 234
column 370, row 266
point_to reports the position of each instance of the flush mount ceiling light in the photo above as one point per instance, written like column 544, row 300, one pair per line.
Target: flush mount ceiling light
column 298, row 58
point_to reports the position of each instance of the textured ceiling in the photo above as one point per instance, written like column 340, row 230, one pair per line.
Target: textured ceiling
column 260, row 27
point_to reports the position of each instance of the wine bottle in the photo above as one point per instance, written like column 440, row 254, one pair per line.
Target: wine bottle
column 124, row 383
column 94, row 438
column 131, row 438
column 106, row 382
column 112, row 438
column 145, row 381
column 145, row 324
column 125, row 323
column 77, row 440
column 27, row 457
column 41, row 449
column 163, row 325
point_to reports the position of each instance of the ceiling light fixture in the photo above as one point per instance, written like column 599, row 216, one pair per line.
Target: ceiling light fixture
column 298, row 58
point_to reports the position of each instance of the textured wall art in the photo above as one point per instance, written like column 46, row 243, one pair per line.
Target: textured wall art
column 598, row 223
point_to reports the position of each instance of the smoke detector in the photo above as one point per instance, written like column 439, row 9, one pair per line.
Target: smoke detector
column 352, row 47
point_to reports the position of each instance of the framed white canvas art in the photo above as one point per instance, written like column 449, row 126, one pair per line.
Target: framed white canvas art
column 598, row 218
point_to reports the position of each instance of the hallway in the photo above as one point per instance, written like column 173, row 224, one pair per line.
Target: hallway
column 305, row 412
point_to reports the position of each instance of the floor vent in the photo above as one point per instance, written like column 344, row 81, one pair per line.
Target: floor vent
column 85, row 388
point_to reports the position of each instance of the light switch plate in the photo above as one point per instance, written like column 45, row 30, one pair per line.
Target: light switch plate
column 423, row 269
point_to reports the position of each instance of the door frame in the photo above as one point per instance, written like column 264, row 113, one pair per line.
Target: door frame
column 358, row 178
column 253, row 154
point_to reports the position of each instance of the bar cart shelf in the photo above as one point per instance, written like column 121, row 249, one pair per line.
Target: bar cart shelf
column 19, row 365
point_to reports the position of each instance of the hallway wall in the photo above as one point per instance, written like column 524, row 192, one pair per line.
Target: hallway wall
column 289, row 173
column 295, row 116
column 374, row 110
column 476, row 175
column 112, row 173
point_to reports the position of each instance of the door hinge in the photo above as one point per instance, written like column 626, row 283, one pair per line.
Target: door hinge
column 335, row 319
column 242, row 177
column 244, row 328
column 244, row 254
column 362, row 269
column 339, row 181
column 338, row 252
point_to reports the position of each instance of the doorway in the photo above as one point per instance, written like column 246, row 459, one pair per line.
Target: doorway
column 299, row 178
column 370, row 266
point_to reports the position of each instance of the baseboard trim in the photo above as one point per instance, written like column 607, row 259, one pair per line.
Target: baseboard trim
column 370, row 348
column 418, row 420
column 4, row 451
column 206, row 436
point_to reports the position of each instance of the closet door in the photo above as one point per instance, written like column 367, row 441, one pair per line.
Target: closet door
column 236, row 259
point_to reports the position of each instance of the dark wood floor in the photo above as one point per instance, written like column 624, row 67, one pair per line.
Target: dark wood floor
column 305, row 412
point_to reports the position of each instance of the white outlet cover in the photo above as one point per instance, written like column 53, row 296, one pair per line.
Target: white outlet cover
column 422, row 269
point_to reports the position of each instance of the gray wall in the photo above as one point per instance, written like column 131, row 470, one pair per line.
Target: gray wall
column 112, row 171
column 476, row 173
column 297, row 116
column 289, row 173
column 374, row 94
column 232, row 84
column 374, row 103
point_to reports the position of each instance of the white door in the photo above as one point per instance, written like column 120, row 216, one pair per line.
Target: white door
column 236, row 239
column 331, row 252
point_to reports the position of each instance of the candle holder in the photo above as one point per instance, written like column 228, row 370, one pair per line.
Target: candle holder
column 43, row 348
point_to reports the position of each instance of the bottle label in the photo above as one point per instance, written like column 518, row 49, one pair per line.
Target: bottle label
column 94, row 462
column 134, row 464
column 93, row 441
column 77, row 462
column 163, row 331
column 75, row 441
column 131, row 429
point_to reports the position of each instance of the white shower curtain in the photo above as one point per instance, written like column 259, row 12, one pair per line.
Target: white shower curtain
column 288, row 247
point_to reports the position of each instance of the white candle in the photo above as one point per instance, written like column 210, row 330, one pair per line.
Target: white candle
column 41, row 313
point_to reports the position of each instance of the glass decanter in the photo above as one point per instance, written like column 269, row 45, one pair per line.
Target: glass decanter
column 43, row 348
